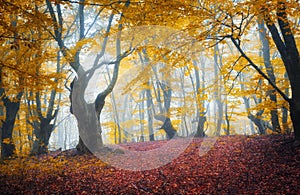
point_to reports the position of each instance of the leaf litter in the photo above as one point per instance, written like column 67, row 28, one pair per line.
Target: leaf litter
column 234, row 165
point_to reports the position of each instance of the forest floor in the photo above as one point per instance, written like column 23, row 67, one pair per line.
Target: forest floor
column 230, row 165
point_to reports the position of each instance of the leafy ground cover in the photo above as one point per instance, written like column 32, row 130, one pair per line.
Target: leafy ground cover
column 235, row 165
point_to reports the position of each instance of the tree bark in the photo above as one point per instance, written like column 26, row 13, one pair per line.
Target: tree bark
column 42, row 133
column 11, row 109
column 227, row 119
column 150, row 114
column 285, row 113
column 167, row 126
column 200, row 127
column 87, row 115
column 290, row 56
column 42, row 126
column 165, row 118
column 200, row 115
column 256, row 119
column 142, row 117
column 270, row 73
column 217, row 93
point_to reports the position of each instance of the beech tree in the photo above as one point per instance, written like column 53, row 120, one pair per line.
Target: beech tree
column 87, row 114
column 270, row 72
column 233, row 20
column 289, row 54
column 199, row 94
column 21, row 66
column 43, row 107
column 288, row 51
column 76, row 26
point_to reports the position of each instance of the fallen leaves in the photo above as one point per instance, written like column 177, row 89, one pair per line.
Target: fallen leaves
column 234, row 165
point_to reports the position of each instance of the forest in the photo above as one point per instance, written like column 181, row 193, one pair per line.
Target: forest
column 110, row 96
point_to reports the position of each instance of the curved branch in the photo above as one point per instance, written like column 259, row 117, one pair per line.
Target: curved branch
column 283, row 95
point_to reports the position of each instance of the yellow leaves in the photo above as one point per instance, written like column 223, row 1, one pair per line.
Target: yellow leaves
column 142, row 75
column 270, row 132
column 85, row 43
column 113, row 132
column 176, row 123
column 236, row 35
column 202, row 97
column 145, row 86
column 188, row 24
column 160, row 132
column 110, row 125
column 128, row 124
column 6, row 141
column 24, row 70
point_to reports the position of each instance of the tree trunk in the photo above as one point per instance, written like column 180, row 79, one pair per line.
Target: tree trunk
column 150, row 114
column 200, row 128
column 90, row 139
column 286, row 45
column 11, row 109
column 295, row 116
column 40, row 145
column 167, row 126
column 165, row 118
column 295, row 100
column 227, row 120
column 255, row 118
column 258, row 123
column 270, row 73
column 284, row 111
column 88, row 121
column 217, row 93
column 219, row 117
column 87, row 115
column 42, row 133
column 42, row 125
column 200, row 115
column 142, row 117
column 169, row 129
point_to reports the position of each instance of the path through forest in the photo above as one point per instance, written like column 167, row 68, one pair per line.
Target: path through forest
column 235, row 165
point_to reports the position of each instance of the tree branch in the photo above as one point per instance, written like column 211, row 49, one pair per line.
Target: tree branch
column 283, row 95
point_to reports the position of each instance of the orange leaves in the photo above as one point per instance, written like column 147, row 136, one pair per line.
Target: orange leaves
column 239, row 164
column 6, row 141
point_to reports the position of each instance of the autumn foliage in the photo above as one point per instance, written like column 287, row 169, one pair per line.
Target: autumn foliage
column 235, row 165
column 165, row 69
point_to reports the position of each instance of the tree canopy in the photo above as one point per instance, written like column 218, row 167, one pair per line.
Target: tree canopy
column 164, row 69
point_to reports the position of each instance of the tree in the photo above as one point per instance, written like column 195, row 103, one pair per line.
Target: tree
column 87, row 114
column 165, row 115
column 290, row 56
column 44, row 108
column 199, row 89
column 270, row 73
column 217, row 93
column 22, row 39
column 233, row 20
column 211, row 24
column 256, row 118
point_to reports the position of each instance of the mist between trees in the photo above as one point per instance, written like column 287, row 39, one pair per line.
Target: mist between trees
column 131, row 71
